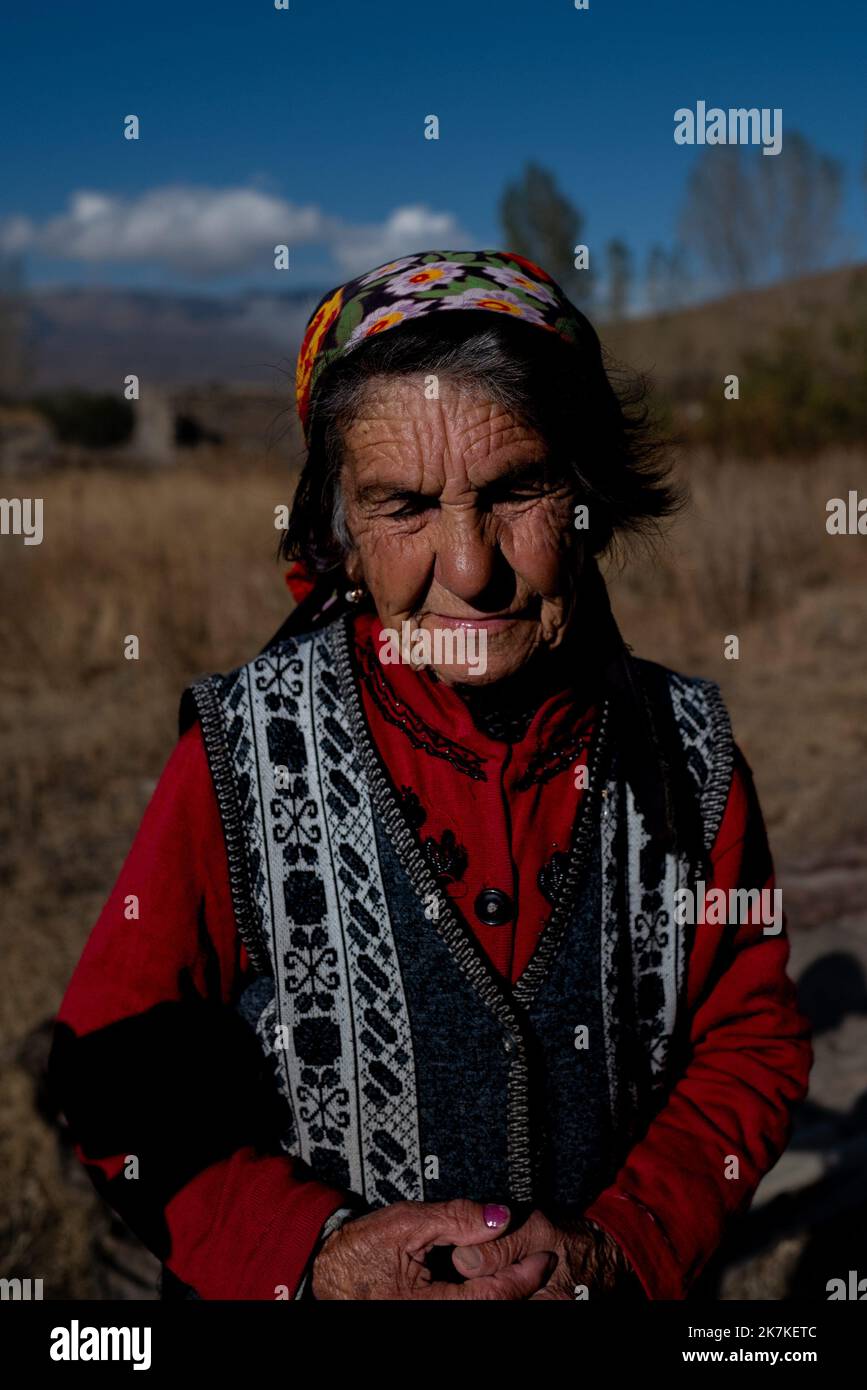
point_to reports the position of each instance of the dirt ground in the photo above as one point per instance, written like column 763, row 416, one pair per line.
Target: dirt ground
column 183, row 557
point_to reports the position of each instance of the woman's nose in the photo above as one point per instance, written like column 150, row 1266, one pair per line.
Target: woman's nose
column 469, row 563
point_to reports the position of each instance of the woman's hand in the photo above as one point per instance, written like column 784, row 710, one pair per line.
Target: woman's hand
column 584, row 1257
column 381, row 1255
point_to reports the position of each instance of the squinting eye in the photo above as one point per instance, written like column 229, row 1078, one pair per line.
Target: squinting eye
column 413, row 507
column 529, row 495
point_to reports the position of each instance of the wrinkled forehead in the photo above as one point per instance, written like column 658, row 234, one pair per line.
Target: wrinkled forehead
column 407, row 431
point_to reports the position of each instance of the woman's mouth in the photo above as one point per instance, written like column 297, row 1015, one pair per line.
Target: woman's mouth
column 490, row 622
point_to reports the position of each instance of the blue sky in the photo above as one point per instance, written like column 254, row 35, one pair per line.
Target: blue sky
column 311, row 120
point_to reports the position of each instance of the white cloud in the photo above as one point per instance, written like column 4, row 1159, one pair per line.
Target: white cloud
column 405, row 230
column 207, row 231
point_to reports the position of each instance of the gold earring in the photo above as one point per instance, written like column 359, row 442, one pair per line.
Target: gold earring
column 355, row 595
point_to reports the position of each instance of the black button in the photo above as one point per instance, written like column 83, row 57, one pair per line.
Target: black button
column 493, row 907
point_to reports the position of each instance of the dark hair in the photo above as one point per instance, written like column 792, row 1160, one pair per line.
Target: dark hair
column 567, row 393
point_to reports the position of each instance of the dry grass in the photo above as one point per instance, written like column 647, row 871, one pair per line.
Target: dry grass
column 184, row 559
column 752, row 558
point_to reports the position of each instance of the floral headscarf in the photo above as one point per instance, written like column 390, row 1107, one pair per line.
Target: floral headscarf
column 496, row 282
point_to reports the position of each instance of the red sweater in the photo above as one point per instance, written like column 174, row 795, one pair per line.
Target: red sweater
column 239, row 1222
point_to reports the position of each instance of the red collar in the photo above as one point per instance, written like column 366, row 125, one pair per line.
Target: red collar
column 422, row 706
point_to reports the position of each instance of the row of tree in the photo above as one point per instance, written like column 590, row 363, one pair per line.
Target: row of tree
column 746, row 219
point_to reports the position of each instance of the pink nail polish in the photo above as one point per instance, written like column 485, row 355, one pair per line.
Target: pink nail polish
column 495, row 1215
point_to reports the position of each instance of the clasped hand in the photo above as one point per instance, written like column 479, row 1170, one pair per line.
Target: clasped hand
column 382, row 1255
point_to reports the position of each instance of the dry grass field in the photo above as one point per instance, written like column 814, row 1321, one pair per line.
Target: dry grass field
column 183, row 557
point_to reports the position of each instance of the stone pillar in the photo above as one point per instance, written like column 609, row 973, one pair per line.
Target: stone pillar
column 153, row 436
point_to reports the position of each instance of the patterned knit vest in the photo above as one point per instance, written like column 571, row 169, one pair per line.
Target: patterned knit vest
column 408, row 1068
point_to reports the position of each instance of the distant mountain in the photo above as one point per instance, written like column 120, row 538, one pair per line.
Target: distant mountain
column 93, row 338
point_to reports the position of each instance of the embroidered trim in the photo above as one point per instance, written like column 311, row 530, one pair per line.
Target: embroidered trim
column 382, row 1037
column 561, row 754
column 346, row 1046
column 412, row 808
column 611, row 912
column 660, row 946
column 706, row 732
column 551, row 875
column 455, row 935
column 241, row 872
column 419, row 733
column 656, row 941
column 707, row 736
column 448, row 859
column 552, row 933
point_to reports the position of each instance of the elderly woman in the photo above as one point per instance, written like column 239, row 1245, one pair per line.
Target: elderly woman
column 410, row 987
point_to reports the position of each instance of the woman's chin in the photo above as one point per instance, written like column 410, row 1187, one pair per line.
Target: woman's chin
column 498, row 665
column 464, row 675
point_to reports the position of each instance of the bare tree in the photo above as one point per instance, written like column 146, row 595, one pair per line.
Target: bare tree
column 803, row 194
column 668, row 283
column 654, row 279
column 619, row 287
column 722, row 216
column 539, row 222
column 751, row 217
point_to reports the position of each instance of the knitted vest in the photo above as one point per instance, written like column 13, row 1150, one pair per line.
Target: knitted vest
column 408, row 1067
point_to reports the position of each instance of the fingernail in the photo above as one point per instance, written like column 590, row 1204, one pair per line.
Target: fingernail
column 495, row 1215
column 470, row 1256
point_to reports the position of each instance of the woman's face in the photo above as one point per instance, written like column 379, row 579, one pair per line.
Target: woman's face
column 460, row 522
